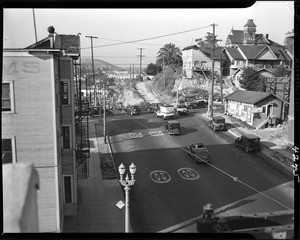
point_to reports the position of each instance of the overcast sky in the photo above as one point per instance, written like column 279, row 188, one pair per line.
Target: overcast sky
column 113, row 26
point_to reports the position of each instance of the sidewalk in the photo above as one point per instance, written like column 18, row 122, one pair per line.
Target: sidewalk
column 97, row 198
column 281, row 157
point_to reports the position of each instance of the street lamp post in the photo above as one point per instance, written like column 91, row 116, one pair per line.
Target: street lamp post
column 127, row 183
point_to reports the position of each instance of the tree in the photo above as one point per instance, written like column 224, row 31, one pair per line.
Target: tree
column 249, row 79
column 168, row 55
column 152, row 69
column 208, row 41
column 281, row 71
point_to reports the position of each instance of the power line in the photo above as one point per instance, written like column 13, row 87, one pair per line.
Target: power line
column 145, row 39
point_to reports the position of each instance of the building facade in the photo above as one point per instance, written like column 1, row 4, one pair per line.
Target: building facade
column 254, row 108
column 38, row 124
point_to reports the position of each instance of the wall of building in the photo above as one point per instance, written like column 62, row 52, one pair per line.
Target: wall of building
column 33, row 125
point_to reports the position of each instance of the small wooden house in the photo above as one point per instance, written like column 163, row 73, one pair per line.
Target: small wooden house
column 253, row 107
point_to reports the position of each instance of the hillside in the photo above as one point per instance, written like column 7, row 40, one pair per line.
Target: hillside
column 86, row 62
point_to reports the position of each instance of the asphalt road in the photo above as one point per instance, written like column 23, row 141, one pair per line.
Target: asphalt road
column 170, row 187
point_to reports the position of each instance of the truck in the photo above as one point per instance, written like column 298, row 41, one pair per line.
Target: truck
column 165, row 111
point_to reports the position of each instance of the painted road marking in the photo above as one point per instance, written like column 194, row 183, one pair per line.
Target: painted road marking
column 188, row 173
column 140, row 135
column 160, row 176
column 136, row 135
column 156, row 133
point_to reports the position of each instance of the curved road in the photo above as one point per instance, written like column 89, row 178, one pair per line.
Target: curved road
column 171, row 188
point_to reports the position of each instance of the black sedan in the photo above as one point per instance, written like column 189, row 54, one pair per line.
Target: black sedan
column 199, row 153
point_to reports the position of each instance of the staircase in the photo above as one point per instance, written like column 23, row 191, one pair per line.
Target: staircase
column 262, row 124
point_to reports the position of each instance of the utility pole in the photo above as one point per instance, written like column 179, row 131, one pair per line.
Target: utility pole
column 104, row 110
column 164, row 73
column 91, row 37
column 221, row 76
column 211, row 96
column 141, row 56
column 133, row 70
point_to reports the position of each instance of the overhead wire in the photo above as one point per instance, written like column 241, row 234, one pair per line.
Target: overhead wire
column 150, row 38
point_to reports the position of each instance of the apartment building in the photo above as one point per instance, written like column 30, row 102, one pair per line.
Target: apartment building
column 38, row 121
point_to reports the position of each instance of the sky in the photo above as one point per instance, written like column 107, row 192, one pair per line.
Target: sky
column 119, row 25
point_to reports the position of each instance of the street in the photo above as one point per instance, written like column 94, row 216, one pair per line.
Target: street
column 170, row 187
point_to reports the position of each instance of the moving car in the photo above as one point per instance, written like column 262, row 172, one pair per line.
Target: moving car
column 217, row 123
column 134, row 110
column 181, row 109
column 199, row 152
column 249, row 142
column 173, row 127
column 165, row 111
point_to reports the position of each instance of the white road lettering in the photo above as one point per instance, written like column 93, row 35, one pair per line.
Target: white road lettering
column 160, row 176
column 188, row 173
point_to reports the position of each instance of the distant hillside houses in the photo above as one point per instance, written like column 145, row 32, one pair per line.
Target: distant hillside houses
column 243, row 48
column 121, row 74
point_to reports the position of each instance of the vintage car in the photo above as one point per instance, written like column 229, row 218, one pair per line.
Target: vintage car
column 153, row 107
column 94, row 111
column 181, row 109
column 217, row 123
column 249, row 142
column 197, row 103
column 118, row 106
column 199, row 152
column 172, row 127
column 134, row 110
column 165, row 111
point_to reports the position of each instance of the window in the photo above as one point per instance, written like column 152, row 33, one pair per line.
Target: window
column 263, row 109
column 65, row 93
column 7, row 154
column 6, row 97
column 68, row 189
column 66, row 137
column 245, row 108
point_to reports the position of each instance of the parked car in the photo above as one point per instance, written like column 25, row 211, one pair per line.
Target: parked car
column 198, row 103
column 249, row 142
column 153, row 107
column 144, row 105
column 118, row 106
column 217, row 123
column 134, row 110
column 94, row 111
column 173, row 127
column 199, row 153
column 165, row 111
column 181, row 109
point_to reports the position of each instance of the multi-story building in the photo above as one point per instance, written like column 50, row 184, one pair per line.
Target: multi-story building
column 38, row 121
column 243, row 48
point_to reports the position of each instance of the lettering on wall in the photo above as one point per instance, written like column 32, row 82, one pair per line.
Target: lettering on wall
column 21, row 67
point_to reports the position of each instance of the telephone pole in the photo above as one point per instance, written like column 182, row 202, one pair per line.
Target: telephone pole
column 141, row 56
column 91, row 37
column 210, row 111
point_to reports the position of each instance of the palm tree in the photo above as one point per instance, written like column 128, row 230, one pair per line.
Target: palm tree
column 208, row 41
column 169, row 54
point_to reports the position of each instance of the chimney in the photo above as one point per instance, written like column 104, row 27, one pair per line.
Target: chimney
column 267, row 36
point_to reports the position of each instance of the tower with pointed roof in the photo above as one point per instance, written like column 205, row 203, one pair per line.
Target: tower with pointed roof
column 249, row 32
